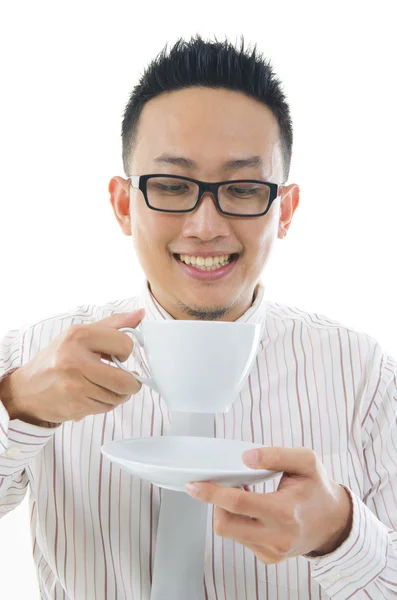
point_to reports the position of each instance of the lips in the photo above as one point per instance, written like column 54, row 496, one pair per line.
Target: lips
column 204, row 255
column 208, row 273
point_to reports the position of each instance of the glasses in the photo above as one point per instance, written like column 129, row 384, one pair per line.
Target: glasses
column 237, row 198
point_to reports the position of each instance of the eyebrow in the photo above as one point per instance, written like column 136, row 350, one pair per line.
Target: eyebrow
column 180, row 161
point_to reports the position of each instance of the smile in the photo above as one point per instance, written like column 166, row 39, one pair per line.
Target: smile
column 210, row 263
column 207, row 268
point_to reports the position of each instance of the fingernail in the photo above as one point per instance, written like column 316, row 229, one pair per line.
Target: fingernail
column 192, row 489
column 251, row 458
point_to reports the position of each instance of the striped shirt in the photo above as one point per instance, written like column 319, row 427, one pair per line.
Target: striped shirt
column 315, row 383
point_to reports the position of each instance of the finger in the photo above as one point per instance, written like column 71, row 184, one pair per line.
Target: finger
column 90, row 406
column 265, row 555
column 103, row 395
column 111, row 378
column 99, row 340
column 119, row 320
column 297, row 461
column 238, row 527
column 251, row 532
column 233, row 500
column 93, row 406
column 274, row 537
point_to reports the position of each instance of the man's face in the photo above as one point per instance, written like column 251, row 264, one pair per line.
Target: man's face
column 209, row 127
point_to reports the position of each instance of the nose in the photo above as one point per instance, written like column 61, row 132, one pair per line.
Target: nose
column 206, row 222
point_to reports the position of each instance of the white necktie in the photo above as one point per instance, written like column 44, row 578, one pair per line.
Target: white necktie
column 178, row 572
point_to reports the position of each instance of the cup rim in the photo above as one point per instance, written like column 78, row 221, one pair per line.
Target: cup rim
column 198, row 322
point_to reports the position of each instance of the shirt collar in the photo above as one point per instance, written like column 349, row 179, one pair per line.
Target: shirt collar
column 155, row 312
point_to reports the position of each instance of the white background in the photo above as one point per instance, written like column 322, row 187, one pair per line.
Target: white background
column 66, row 72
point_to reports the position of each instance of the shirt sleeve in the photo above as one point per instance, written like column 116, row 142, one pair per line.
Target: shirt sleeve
column 19, row 441
column 365, row 565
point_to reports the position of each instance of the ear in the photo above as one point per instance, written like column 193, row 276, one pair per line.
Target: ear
column 120, row 201
column 289, row 203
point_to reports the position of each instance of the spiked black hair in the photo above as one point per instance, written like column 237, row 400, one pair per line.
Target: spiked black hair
column 212, row 64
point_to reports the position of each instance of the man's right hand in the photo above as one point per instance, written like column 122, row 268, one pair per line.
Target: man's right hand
column 66, row 381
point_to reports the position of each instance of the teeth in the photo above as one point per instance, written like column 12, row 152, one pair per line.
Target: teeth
column 211, row 263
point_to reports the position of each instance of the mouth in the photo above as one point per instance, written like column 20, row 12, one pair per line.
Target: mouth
column 207, row 264
column 207, row 268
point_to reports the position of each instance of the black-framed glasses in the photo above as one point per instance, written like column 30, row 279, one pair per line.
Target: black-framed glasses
column 177, row 194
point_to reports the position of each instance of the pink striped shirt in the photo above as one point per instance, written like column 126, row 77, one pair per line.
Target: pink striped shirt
column 316, row 383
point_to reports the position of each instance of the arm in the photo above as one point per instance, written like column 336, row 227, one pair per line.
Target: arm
column 19, row 441
column 44, row 381
column 350, row 539
column 365, row 565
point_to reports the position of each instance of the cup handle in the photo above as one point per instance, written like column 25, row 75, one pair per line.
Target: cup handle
column 149, row 381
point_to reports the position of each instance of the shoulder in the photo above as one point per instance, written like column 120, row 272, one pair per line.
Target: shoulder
column 292, row 316
column 310, row 334
column 314, row 320
column 317, row 330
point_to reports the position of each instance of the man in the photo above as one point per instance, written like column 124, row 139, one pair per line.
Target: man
column 321, row 397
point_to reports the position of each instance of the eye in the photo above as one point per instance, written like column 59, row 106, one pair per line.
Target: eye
column 243, row 191
column 171, row 188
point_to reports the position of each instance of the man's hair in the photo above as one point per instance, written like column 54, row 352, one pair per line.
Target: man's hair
column 211, row 64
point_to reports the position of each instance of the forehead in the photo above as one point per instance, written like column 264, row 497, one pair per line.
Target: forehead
column 208, row 126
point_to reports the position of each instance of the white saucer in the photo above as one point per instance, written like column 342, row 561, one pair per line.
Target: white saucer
column 173, row 461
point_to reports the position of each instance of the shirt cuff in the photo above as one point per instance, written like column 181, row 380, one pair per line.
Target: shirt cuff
column 358, row 560
column 4, row 420
column 19, row 442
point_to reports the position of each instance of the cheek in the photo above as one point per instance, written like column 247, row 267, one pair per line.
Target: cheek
column 152, row 233
column 258, row 237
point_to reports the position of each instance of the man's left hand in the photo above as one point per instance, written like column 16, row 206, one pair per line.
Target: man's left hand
column 309, row 513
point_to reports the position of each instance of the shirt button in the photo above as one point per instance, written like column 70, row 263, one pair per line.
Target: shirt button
column 335, row 577
column 14, row 452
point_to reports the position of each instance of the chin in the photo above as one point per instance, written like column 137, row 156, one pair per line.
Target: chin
column 207, row 301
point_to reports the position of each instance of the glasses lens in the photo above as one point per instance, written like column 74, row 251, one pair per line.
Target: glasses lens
column 171, row 193
column 244, row 198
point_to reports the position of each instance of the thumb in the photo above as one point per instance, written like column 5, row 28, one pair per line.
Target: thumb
column 297, row 461
column 119, row 320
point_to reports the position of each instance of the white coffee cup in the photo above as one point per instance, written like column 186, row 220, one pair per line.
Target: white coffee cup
column 197, row 366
